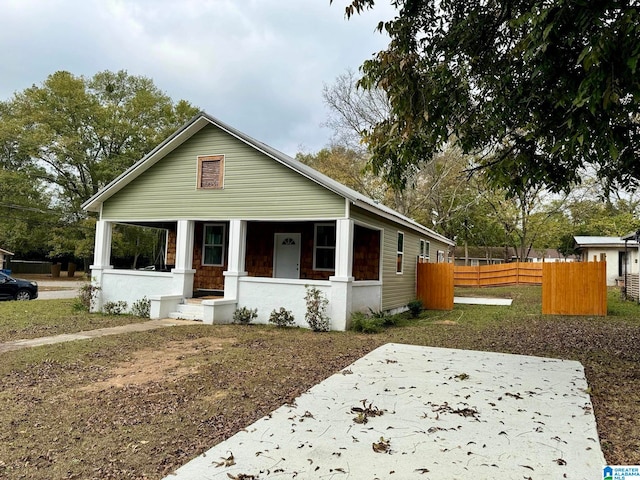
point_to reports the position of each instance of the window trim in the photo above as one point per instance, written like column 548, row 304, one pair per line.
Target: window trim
column 209, row 158
column 399, row 253
column 316, row 246
column 424, row 253
column 223, row 244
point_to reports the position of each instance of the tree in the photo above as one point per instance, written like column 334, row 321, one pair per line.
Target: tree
column 71, row 136
column 545, row 88
column 433, row 195
column 77, row 134
column 348, row 167
column 25, row 218
column 353, row 110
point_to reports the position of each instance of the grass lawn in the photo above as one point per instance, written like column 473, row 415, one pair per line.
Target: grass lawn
column 41, row 318
column 140, row 405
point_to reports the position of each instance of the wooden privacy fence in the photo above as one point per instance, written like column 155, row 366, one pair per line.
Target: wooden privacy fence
column 575, row 288
column 632, row 286
column 517, row 273
column 435, row 285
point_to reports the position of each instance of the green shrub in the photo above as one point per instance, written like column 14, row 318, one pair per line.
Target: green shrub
column 316, row 315
column 383, row 318
column 87, row 295
column 282, row 317
column 363, row 323
column 415, row 308
column 115, row 308
column 244, row 315
column 141, row 308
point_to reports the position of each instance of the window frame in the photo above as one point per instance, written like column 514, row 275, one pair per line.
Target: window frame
column 210, row 158
column 441, row 256
column 204, row 245
column 324, row 247
column 425, row 250
column 399, row 253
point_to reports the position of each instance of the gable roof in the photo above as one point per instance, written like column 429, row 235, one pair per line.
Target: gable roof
column 202, row 120
column 6, row 252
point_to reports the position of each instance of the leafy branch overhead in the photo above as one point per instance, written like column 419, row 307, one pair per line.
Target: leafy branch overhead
column 539, row 90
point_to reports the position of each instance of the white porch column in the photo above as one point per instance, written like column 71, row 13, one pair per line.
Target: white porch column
column 344, row 248
column 236, row 257
column 184, row 245
column 342, row 282
column 101, row 259
column 183, row 272
column 102, row 246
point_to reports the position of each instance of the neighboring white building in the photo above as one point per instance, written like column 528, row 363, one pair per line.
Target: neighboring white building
column 621, row 255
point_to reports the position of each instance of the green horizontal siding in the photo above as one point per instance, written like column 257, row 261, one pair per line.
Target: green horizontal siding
column 398, row 289
column 255, row 187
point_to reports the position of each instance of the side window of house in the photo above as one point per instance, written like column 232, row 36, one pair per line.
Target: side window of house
column 213, row 245
column 210, row 172
column 424, row 251
column 440, row 256
column 400, row 257
column 324, row 251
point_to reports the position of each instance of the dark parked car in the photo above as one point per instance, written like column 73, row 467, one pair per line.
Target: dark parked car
column 17, row 289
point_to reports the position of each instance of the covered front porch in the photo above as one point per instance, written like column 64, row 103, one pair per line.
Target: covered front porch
column 254, row 264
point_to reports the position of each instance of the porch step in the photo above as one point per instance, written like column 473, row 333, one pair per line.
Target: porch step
column 188, row 311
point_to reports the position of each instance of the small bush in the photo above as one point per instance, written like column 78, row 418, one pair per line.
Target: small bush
column 244, row 315
column 316, row 315
column 87, row 295
column 415, row 308
column 363, row 323
column 141, row 308
column 282, row 317
column 383, row 318
column 115, row 308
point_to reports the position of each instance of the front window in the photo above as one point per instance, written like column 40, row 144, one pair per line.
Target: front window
column 324, row 251
column 213, row 245
column 400, row 257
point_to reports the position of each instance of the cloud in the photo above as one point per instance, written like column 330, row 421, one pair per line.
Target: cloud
column 258, row 65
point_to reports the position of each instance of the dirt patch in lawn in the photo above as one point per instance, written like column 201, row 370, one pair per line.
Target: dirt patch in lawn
column 170, row 363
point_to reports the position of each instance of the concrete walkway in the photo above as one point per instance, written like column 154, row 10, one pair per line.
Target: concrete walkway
column 408, row 412
column 482, row 301
column 88, row 334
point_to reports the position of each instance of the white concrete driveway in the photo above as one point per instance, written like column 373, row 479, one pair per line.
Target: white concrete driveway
column 419, row 412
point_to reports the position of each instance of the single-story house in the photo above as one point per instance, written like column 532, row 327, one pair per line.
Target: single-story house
column 4, row 256
column 254, row 227
column 621, row 255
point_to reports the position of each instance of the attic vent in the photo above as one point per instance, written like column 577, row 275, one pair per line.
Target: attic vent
column 210, row 171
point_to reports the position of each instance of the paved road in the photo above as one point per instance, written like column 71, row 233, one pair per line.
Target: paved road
column 67, row 288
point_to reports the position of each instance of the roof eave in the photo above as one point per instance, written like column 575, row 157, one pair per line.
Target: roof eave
column 397, row 218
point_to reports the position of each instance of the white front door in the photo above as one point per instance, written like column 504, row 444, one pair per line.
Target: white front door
column 286, row 262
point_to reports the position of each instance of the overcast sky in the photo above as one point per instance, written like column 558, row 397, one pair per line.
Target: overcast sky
column 258, row 65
